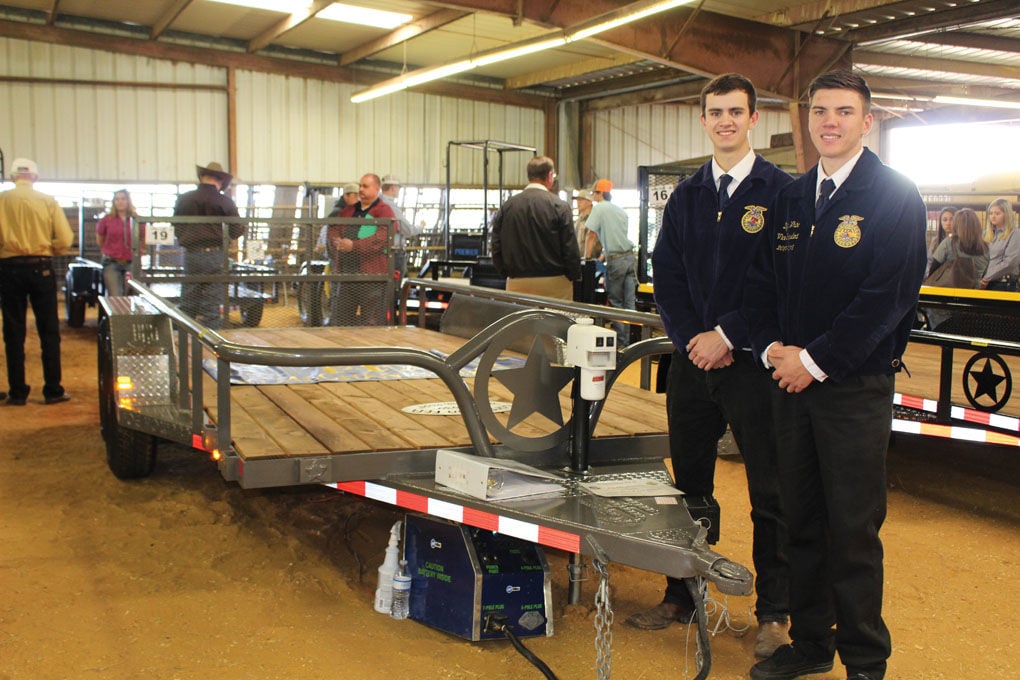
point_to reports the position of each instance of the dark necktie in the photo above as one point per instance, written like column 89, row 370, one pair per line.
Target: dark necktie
column 828, row 186
column 724, row 196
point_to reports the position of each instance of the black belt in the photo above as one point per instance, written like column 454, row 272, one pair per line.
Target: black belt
column 27, row 260
column 204, row 249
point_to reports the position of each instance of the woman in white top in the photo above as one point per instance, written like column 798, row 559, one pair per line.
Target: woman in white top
column 1003, row 247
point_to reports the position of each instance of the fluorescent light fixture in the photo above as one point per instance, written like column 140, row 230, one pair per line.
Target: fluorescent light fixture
column 435, row 73
column 519, row 50
column 968, row 101
column 282, row 6
column 363, row 16
column 586, row 29
column 899, row 97
column 625, row 15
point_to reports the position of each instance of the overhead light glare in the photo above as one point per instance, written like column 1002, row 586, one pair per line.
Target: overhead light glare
column 636, row 12
column 363, row 16
column 492, row 57
column 435, row 73
column 900, row 97
column 633, row 12
column 968, row 101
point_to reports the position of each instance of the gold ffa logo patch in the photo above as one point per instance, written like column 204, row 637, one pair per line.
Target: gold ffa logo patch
column 753, row 220
column 848, row 233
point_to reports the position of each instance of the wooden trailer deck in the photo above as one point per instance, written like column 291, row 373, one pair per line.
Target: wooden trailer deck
column 284, row 420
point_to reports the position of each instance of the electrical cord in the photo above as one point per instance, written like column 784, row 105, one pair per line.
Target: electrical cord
column 497, row 624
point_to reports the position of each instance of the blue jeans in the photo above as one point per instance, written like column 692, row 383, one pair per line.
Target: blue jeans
column 114, row 276
column 621, row 287
column 201, row 301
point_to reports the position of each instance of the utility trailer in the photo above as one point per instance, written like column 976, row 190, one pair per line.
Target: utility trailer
column 156, row 380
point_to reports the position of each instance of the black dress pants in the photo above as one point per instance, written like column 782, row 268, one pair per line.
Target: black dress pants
column 699, row 405
column 832, row 440
column 24, row 281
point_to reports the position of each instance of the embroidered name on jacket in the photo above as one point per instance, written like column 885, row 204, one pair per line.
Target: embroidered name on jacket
column 848, row 232
column 789, row 232
column 753, row 220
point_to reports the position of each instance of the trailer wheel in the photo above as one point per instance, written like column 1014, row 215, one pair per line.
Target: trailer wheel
column 313, row 300
column 251, row 312
column 129, row 454
column 74, row 308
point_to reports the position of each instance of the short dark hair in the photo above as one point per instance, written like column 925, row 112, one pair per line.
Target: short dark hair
column 539, row 167
column 842, row 80
column 730, row 82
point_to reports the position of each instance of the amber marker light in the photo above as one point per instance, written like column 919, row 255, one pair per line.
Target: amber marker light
column 124, row 383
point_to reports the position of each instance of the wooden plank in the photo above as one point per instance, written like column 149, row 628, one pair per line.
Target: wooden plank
column 380, row 405
column 279, row 425
column 246, row 433
column 319, row 414
column 415, row 392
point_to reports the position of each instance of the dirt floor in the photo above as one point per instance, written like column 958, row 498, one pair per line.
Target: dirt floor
column 186, row 576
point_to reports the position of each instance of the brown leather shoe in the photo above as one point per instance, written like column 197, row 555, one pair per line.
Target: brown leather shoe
column 660, row 616
column 771, row 636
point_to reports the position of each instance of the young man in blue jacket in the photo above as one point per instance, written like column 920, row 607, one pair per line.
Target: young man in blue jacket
column 712, row 226
column 830, row 309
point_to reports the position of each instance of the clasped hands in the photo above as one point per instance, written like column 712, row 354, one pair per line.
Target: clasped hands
column 708, row 351
column 344, row 245
column 789, row 371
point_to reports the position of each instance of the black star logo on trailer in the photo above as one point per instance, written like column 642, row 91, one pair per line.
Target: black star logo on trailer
column 536, row 386
column 986, row 382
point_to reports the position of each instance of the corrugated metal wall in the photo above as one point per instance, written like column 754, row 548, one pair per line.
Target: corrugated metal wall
column 623, row 139
column 293, row 129
column 162, row 117
column 156, row 119
column 101, row 132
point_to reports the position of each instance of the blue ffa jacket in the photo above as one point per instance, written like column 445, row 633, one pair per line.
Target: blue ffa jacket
column 700, row 262
column 843, row 286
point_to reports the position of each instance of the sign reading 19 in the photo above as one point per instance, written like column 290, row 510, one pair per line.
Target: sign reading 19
column 160, row 234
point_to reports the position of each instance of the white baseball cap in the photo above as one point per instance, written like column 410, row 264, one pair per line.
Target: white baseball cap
column 23, row 166
column 390, row 180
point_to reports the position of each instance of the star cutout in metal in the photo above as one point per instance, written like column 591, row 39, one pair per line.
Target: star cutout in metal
column 987, row 381
column 536, row 386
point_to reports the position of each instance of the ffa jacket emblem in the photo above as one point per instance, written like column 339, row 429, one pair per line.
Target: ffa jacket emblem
column 753, row 220
column 848, row 233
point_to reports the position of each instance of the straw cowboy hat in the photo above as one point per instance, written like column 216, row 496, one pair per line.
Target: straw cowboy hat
column 215, row 170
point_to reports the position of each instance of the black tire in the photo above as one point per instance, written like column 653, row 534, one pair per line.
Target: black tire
column 251, row 312
column 129, row 454
column 313, row 302
column 74, row 308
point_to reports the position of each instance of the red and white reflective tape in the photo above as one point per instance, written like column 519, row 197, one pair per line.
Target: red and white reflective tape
column 919, row 403
column 528, row 531
column 969, row 415
column 982, row 418
column 954, row 432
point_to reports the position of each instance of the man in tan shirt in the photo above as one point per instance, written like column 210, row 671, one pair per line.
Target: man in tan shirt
column 33, row 228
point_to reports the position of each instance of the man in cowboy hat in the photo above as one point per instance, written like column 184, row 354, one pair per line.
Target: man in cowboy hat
column 204, row 243
column 33, row 228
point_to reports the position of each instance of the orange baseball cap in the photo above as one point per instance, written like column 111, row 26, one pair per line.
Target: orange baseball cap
column 602, row 186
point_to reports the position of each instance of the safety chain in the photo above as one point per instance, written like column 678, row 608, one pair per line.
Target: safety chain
column 603, row 624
